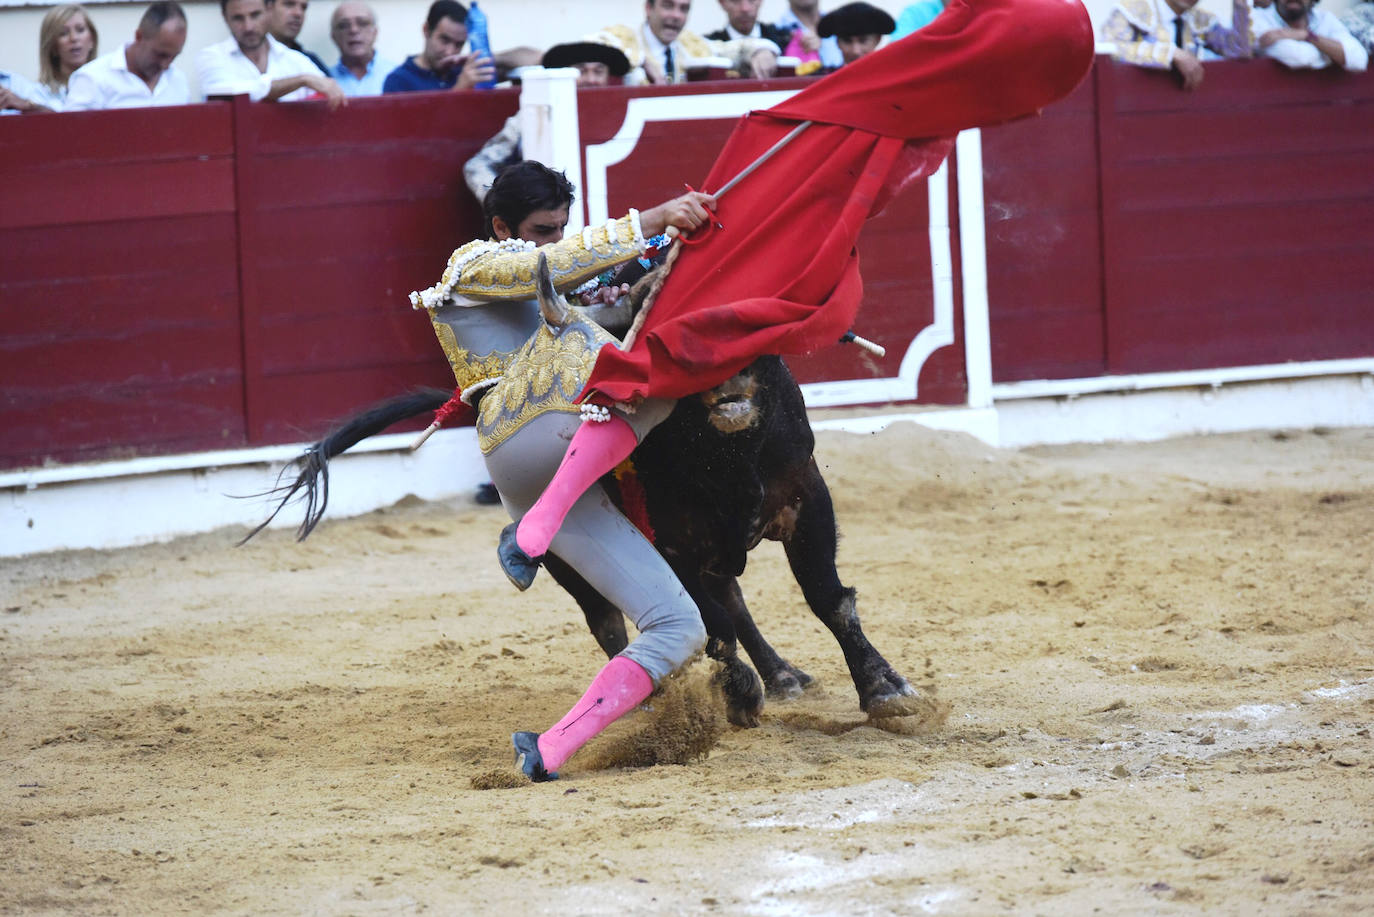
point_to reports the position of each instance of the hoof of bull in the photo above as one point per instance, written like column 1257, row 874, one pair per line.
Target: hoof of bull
column 743, row 692
column 789, row 683
column 904, row 703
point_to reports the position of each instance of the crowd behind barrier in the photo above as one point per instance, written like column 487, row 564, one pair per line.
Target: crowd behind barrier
column 263, row 48
column 1171, row 34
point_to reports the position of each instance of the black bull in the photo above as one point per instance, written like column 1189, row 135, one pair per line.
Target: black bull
column 727, row 469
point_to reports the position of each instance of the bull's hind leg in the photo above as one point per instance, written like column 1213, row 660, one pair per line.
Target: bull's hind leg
column 811, row 551
column 781, row 679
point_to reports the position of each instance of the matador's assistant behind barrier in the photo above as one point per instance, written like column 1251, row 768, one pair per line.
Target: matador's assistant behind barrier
column 781, row 276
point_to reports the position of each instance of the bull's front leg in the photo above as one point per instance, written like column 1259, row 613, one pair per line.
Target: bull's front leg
column 811, row 548
column 738, row 682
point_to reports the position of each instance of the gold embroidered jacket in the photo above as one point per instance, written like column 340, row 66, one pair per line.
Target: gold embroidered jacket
column 1144, row 35
column 689, row 46
column 485, row 312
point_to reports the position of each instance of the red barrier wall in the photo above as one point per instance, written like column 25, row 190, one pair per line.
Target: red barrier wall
column 119, row 288
column 1137, row 228
column 223, row 275
column 229, row 274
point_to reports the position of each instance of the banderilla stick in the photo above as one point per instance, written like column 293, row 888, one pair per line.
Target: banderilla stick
column 872, row 347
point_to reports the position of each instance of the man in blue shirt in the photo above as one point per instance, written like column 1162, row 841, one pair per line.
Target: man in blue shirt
column 360, row 70
column 442, row 64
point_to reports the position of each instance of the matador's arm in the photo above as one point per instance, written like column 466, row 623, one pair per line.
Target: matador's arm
column 489, row 271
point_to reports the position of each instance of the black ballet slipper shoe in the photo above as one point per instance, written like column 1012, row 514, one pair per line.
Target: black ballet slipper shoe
column 519, row 566
column 528, row 759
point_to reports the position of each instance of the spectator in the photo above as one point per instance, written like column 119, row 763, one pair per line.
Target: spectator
column 1298, row 36
column 1359, row 20
column 661, row 50
column 597, row 59
column 1171, row 34
column 140, row 73
column 360, row 70
column 17, row 94
column 802, row 20
column 67, row 41
column 742, row 21
column 858, row 28
column 250, row 61
column 442, row 64
column 917, row 16
column 284, row 20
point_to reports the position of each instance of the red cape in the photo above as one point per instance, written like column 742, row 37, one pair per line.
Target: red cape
column 783, row 276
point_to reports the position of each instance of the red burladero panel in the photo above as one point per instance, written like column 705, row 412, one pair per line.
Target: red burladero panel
column 899, row 302
column 1044, row 252
column 118, row 285
column 1237, row 219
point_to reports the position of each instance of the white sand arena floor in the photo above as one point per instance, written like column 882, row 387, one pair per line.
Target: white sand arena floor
column 1156, row 663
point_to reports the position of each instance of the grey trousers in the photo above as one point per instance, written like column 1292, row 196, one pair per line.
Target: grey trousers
column 602, row 545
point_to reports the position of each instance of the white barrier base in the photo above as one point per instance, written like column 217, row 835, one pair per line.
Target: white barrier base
column 117, row 504
column 143, row 501
column 1140, row 416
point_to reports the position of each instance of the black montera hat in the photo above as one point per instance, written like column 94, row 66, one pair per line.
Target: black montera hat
column 856, row 19
column 592, row 49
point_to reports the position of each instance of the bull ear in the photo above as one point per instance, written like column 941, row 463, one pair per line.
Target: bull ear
column 551, row 305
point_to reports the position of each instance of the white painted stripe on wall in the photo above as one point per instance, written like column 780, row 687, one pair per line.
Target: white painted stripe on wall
column 939, row 333
column 639, row 112
column 973, row 262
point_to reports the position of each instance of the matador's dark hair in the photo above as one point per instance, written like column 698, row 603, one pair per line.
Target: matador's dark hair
column 523, row 188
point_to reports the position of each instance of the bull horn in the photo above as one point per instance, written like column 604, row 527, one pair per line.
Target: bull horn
column 551, row 305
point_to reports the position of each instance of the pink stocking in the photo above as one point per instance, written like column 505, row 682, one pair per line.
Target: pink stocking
column 595, row 449
column 617, row 689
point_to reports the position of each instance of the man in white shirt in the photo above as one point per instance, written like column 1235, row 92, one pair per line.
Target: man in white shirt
column 139, row 74
column 1298, row 36
column 251, row 62
column 285, row 19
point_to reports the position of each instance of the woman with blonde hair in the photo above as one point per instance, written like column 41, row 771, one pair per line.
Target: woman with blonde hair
column 67, row 40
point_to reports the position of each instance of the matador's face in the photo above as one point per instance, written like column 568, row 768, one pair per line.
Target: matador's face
column 540, row 227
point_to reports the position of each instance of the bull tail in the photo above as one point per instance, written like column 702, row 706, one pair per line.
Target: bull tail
column 312, row 466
